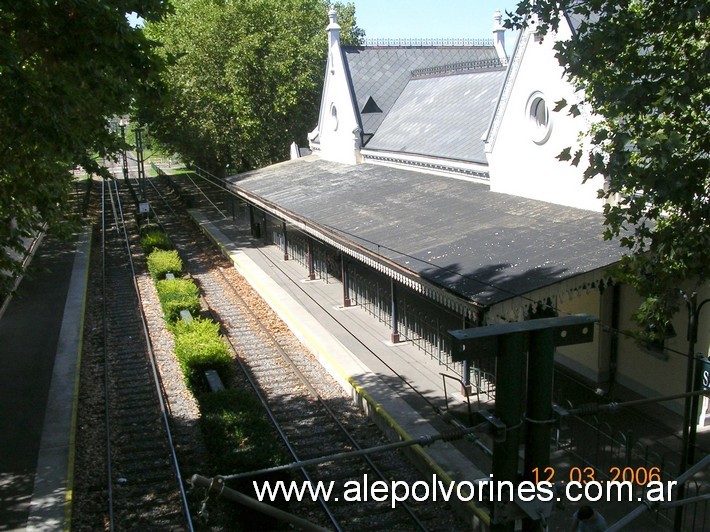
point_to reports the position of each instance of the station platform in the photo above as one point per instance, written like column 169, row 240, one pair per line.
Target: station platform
column 355, row 348
column 40, row 338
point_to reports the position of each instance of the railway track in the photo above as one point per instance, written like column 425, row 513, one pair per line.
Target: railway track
column 311, row 413
column 123, row 409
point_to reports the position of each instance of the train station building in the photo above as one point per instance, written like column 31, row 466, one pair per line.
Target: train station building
column 431, row 190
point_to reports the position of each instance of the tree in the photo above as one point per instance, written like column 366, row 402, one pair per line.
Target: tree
column 642, row 66
column 65, row 68
column 244, row 78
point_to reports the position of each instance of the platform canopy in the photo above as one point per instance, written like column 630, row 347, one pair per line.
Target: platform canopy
column 481, row 246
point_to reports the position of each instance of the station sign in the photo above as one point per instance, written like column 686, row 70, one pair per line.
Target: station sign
column 704, row 370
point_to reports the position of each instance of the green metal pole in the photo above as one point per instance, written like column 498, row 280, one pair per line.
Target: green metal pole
column 541, row 371
column 510, row 388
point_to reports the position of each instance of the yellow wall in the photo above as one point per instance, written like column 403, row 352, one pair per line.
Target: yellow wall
column 582, row 358
column 650, row 373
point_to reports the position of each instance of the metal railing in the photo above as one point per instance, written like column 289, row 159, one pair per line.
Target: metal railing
column 592, row 442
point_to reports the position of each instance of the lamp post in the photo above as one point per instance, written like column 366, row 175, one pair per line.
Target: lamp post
column 139, row 156
column 143, row 205
column 690, row 411
column 122, row 124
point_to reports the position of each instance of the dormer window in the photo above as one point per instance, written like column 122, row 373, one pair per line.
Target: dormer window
column 538, row 117
column 371, row 107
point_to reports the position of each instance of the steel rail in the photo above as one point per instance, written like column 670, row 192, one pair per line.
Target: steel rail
column 157, row 381
column 460, row 430
column 437, row 410
column 307, row 384
column 264, row 403
column 272, row 417
column 104, row 313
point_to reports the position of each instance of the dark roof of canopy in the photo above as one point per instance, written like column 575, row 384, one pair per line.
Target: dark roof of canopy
column 485, row 246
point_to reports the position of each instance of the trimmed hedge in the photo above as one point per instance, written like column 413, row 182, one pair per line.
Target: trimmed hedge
column 199, row 347
column 176, row 295
column 240, row 438
column 236, row 429
column 153, row 240
column 161, row 262
column 149, row 227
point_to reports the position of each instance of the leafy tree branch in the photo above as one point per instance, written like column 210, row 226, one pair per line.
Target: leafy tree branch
column 642, row 66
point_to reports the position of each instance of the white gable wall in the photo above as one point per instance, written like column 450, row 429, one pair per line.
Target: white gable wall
column 338, row 131
column 521, row 153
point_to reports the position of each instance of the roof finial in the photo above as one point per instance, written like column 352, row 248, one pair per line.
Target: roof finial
column 499, row 37
column 333, row 15
column 497, row 18
column 333, row 28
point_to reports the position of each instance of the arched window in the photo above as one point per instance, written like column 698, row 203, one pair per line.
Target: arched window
column 333, row 117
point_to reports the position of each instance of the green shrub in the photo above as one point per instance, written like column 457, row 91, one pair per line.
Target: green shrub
column 149, row 227
column 238, row 432
column 199, row 347
column 153, row 240
column 161, row 262
column 240, row 438
column 176, row 295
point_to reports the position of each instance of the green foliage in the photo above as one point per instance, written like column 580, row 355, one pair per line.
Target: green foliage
column 176, row 295
column 156, row 240
column 65, row 67
column 199, row 347
column 237, row 431
column 161, row 262
column 642, row 66
column 244, row 78
column 239, row 438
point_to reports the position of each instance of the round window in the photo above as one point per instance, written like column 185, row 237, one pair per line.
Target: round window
column 538, row 118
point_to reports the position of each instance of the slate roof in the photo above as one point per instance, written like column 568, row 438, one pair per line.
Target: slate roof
column 442, row 116
column 485, row 246
column 382, row 72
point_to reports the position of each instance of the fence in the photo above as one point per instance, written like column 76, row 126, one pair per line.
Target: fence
column 593, row 442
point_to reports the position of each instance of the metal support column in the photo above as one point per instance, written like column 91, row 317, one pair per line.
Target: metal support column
column 346, row 281
column 125, row 157
column 139, row 156
column 283, row 230
column 510, row 388
column 465, row 378
column 252, row 225
column 690, row 411
column 394, row 337
column 509, row 342
column 310, row 259
column 465, row 370
column 541, row 372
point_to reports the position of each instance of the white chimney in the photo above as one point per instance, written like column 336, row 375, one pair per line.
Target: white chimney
column 499, row 37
